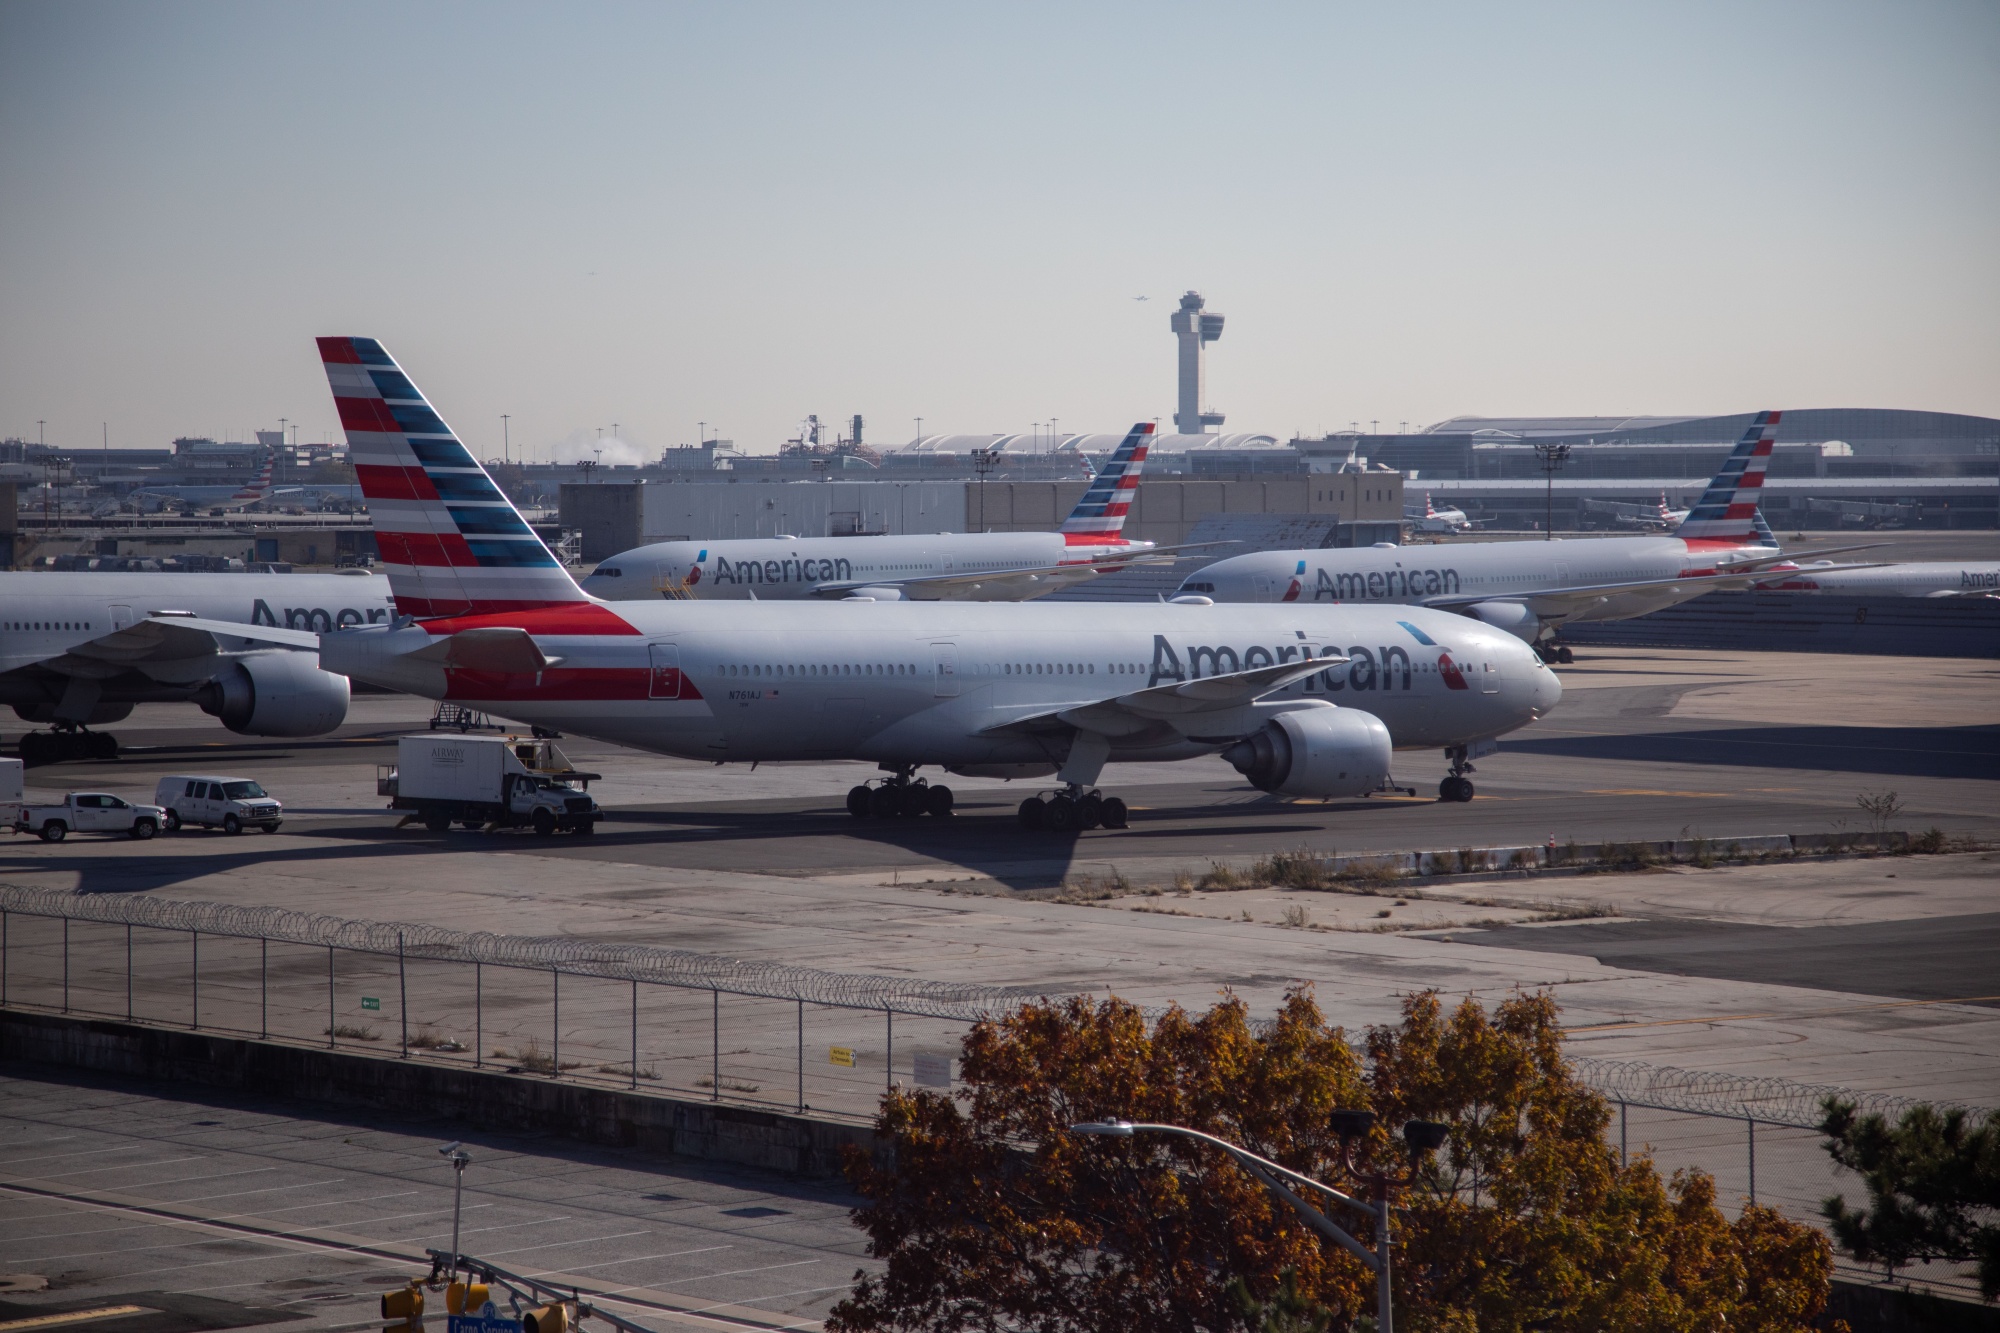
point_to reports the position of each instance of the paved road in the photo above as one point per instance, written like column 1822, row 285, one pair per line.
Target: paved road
column 110, row 1187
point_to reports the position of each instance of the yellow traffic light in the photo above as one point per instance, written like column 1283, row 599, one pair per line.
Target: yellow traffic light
column 546, row 1319
column 465, row 1298
column 404, row 1303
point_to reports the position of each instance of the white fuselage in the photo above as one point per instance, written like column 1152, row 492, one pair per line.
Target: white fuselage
column 775, row 569
column 43, row 616
column 1412, row 574
column 1932, row 578
column 935, row 683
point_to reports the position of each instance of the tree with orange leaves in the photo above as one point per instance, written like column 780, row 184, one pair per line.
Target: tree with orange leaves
column 991, row 1215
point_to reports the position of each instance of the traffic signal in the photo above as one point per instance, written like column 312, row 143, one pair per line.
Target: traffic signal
column 546, row 1319
column 405, row 1304
column 465, row 1298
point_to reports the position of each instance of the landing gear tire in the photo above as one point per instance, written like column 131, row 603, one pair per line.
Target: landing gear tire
column 938, row 801
column 885, row 802
column 1564, row 656
column 100, row 745
column 1062, row 814
column 1455, row 789
column 1114, row 812
column 1090, row 811
column 913, row 802
column 544, row 822
column 858, row 801
column 1034, row 812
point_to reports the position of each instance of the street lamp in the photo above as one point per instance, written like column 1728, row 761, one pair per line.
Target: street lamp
column 456, row 1154
column 983, row 462
column 1550, row 457
column 1422, row 1136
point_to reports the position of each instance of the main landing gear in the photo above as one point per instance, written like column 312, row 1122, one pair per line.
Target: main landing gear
column 1073, row 810
column 66, row 743
column 902, row 795
column 1554, row 654
column 1457, row 787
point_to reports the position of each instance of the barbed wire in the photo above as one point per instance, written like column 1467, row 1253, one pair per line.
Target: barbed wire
column 1767, row 1100
column 623, row 962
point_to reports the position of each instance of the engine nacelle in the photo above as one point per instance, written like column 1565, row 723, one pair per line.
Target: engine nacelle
column 277, row 693
column 1513, row 617
column 1315, row 752
column 876, row 594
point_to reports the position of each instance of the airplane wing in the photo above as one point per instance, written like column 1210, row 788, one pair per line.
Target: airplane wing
column 1557, row 603
column 289, row 638
column 165, row 647
column 1734, row 563
column 1159, row 708
column 1030, row 578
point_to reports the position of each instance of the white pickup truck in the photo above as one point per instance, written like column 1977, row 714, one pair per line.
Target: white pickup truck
column 88, row 812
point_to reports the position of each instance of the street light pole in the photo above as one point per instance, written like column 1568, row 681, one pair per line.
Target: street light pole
column 1550, row 457
column 1423, row 1137
column 458, row 1158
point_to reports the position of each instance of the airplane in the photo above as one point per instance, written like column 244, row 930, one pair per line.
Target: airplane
column 1303, row 700
column 216, row 497
column 1659, row 518
column 1449, row 519
column 1921, row 578
column 945, row 566
column 78, row 650
column 1532, row 588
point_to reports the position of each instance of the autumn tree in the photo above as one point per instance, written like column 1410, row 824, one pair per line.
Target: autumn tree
column 1933, row 1182
column 990, row 1215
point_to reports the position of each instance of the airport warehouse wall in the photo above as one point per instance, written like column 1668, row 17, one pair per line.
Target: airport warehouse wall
column 616, row 516
column 714, row 1131
column 1811, row 623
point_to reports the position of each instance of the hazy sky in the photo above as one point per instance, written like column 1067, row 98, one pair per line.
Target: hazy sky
column 740, row 213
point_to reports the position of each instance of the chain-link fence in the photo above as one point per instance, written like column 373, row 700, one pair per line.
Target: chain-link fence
column 723, row 1029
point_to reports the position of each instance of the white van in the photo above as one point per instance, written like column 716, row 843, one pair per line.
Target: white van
column 211, row 801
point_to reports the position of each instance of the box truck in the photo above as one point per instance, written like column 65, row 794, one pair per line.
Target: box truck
column 484, row 782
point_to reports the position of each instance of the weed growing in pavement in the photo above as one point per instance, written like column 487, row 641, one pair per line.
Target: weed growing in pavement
column 1296, row 917
column 428, row 1039
column 727, row 1085
column 1880, row 807
column 351, row 1032
column 625, row 1071
column 531, row 1059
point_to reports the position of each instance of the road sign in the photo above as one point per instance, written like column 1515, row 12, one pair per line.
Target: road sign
column 370, row 1002
column 488, row 1320
column 840, row 1055
column 932, row 1071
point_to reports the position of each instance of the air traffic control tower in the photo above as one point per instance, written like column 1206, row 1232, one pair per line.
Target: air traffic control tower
column 1195, row 330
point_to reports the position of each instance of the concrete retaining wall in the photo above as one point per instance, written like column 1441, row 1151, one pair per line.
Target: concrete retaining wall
column 771, row 1140
column 1487, row 860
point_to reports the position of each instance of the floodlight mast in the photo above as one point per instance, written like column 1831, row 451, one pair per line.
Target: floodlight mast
column 1423, row 1137
column 454, row 1153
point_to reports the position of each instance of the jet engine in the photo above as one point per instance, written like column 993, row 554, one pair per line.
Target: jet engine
column 278, row 693
column 1513, row 617
column 1315, row 752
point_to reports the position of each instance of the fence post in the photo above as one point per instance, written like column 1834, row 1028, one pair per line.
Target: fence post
column 65, row 922
column 802, row 1055
column 1751, row 1122
column 402, row 995
column 889, row 1071
column 1621, row 1131
column 635, row 1033
column 194, row 978
column 329, row 997
column 555, row 1013
column 263, row 986
column 478, row 1016
column 3, row 955
column 128, row 971
column 715, row 1068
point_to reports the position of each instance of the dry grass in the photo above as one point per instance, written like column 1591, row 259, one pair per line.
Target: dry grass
column 429, row 1040
column 727, row 1085
column 351, row 1032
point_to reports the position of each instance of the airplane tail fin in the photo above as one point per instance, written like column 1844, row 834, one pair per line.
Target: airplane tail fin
column 1100, row 515
column 1727, row 510
column 260, row 487
column 451, row 541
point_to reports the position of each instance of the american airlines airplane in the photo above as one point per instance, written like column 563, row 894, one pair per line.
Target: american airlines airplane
column 79, row 650
column 1925, row 578
column 1448, row 519
column 1303, row 700
column 1531, row 588
column 940, row 567
column 217, row 497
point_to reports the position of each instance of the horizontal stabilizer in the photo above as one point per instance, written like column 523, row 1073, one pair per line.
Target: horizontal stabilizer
column 512, row 651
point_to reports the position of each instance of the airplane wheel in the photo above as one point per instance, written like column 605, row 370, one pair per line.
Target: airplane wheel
column 1033, row 812
column 914, row 801
column 885, row 803
column 1062, row 815
column 1455, row 789
column 1465, row 789
column 1114, row 812
column 1565, row 656
column 857, row 802
column 33, row 749
column 100, row 745
column 938, row 801
column 1090, row 811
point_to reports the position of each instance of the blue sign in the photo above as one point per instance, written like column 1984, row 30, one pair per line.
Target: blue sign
column 488, row 1320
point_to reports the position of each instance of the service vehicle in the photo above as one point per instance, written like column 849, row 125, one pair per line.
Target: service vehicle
column 214, row 801
column 487, row 782
column 89, row 812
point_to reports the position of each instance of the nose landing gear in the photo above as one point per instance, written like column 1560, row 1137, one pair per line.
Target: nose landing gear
column 902, row 795
column 1073, row 810
column 1457, row 787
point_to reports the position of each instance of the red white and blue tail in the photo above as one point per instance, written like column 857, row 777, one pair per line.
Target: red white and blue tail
column 258, row 489
column 1100, row 515
column 452, row 543
column 1727, row 510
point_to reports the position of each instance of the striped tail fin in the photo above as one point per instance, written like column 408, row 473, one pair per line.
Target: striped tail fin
column 256, row 490
column 452, row 543
column 1100, row 515
column 1727, row 510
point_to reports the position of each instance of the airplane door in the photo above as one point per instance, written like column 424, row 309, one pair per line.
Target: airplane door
column 666, row 672
column 1489, row 676
column 121, row 616
column 944, row 666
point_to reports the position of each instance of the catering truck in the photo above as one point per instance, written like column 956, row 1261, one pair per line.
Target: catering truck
column 486, row 782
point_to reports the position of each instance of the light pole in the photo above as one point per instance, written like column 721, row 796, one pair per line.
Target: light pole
column 506, row 440
column 1550, row 457
column 455, row 1154
column 983, row 462
column 1422, row 1136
